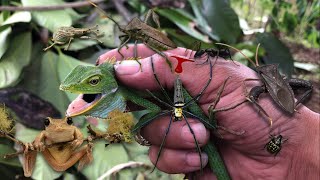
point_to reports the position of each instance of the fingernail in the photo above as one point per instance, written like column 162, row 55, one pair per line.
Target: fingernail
column 193, row 159
column 199, row 131
column 127, row 67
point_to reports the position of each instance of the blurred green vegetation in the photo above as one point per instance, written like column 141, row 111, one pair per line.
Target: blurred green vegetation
column 241, row 23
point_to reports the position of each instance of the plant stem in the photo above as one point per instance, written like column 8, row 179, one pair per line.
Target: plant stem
column 48, row 8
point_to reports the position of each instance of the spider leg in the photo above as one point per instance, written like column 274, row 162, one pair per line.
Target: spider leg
column 162, row 143
column 158, row 82
column 206, row 123
column 196, row 142
column 197, row 97
column 156, row 98
column 148, row 118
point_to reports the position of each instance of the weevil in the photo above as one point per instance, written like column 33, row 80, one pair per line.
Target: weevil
column 178, row 109
column 279, row 87
column 275, row 143
column 65, row 35
column 140, row 30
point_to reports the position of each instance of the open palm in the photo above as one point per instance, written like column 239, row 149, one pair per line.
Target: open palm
column 244, row 155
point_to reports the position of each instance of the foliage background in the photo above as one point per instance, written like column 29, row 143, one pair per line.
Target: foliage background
column 287, row 30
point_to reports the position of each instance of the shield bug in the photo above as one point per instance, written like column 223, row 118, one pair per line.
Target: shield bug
column 279, row 87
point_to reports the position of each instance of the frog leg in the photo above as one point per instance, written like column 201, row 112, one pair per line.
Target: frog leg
column 87, row 158
column 71, row 161
column 29, row 162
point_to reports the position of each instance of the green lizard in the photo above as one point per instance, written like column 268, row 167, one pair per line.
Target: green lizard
column 101, row 94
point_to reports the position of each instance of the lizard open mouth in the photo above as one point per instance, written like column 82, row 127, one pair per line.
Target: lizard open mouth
column 83, row 103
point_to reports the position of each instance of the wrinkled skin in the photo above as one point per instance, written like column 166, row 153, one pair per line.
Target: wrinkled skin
column 245, row 156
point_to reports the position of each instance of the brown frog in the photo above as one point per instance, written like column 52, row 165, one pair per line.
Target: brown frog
column 59, row 143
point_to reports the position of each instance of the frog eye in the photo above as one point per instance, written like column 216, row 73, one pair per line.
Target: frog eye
column 69, row 120
column 94, row 80
column 46, row 121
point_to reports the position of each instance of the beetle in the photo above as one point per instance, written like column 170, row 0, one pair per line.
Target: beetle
column 275, row 143
column 65, row 35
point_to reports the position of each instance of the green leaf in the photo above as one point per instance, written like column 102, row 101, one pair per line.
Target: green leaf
column 183, row 22
column 51, row 20
column 45, row 75
column 5, row 149
column 4, row 40
column 290, row 22
column 222, row 19
column 185, row 40
column 43, row 80
column 64, row 66
column 79, row 44
column 22, row 16
column 105, row 158
column 203, row 24
column 15, row 59
column 42, row 170
column 110, row 31
column 276, row 52
column 49, row 82
column 5, row 14
column 240, row 58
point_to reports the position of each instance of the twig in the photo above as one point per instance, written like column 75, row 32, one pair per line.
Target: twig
column 9, row 136
column 119, row 167
column 48, row 8
column 122, row 10
column 94, row 136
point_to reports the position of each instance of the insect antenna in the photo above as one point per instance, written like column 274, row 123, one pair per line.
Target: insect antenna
column 257, row 63
column 218, row 96
column 103, row 13
column 239, row 52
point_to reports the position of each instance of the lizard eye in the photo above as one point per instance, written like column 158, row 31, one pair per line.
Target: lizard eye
column 69, row 120
column 46, row 121
column 94, row 80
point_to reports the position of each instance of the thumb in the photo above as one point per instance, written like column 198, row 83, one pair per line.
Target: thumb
column 142, row 77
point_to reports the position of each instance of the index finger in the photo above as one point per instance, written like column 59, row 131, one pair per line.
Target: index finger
column 143, row 51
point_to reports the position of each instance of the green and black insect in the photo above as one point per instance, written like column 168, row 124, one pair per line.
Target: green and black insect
column 275, row 143
column 65, row 35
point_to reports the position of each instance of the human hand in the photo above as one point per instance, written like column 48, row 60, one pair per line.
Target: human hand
column 244, row 155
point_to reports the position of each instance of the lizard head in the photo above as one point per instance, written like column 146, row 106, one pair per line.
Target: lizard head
column 93, row 83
